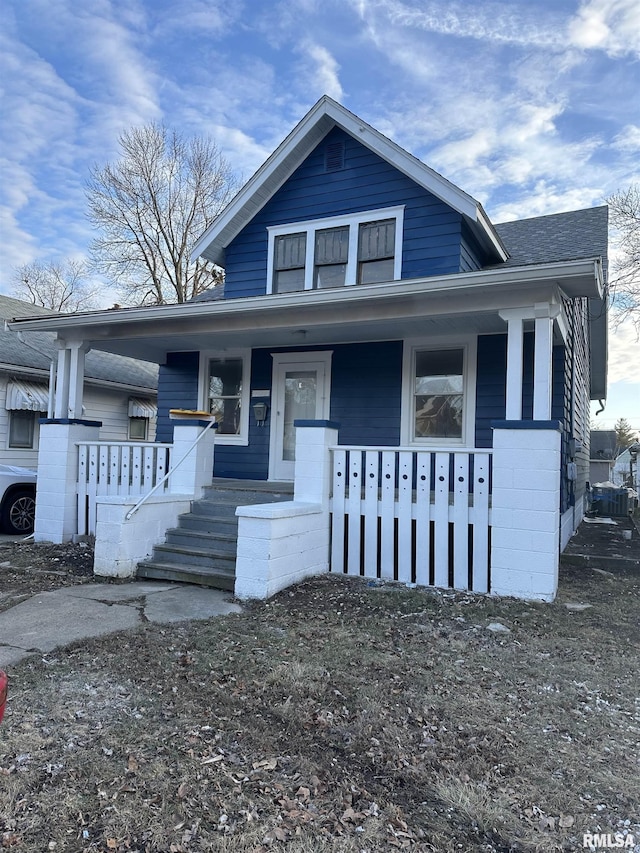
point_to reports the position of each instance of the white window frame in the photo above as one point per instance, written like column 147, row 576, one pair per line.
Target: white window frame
column 245, row 398
column 34, row 429
column 469, row 345
column 138, row 419
column 353, row 220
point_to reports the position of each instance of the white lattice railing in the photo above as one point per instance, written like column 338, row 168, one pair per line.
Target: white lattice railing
column 116, row 468
column 414, row 516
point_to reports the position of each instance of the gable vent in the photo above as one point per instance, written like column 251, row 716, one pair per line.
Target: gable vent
column 334, row 157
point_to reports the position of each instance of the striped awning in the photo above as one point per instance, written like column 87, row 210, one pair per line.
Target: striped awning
column 27, row 396
column 139, row 408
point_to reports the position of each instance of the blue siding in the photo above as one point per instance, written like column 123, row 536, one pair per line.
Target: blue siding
column 366, row 383
column 490, row 386
column 366, row 387
column 433, row 240
column 470, row 253
column 365, row 401
column 177, row 389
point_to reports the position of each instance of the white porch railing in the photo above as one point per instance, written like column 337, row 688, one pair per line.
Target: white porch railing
column 414, row 516
column 116, row 468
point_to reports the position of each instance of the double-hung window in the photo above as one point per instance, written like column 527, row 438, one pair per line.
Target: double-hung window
column 224, row 384
column 331, row 256
column 376, row 251
column 438, row 398
column 290, row 254
column 362, row 248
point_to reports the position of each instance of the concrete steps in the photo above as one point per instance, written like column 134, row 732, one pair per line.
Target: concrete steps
column 202, row 548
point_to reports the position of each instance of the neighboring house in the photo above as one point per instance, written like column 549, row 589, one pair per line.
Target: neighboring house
column 449, row 362
column 119, row 392
column 625, row 470
column 604, row 447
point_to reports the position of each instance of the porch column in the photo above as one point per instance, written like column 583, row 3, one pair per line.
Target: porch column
column 542, row 360
column 541, row 316
column 525, row 532
column 57, row 499
column 194, row 461
column 515, row 338
column 282, row 543
column 69, row 379
column 312, row 483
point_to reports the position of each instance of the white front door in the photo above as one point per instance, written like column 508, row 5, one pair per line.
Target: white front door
column 300, row 392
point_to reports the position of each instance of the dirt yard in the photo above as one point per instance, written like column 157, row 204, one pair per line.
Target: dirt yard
column 340, row 716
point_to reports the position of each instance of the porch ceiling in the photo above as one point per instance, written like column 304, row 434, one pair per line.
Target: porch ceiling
column 467, row 303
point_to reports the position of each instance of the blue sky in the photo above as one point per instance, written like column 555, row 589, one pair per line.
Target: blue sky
column 530, row 106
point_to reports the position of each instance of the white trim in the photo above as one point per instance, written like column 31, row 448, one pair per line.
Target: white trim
column 312, row 128
column 353, row 220
column 469, row 346
column 321, row 358
column 245, row 399
column 93, row 325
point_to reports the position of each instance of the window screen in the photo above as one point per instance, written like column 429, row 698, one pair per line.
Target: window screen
column 290, row 253
column 376, row 251
column 331, row 253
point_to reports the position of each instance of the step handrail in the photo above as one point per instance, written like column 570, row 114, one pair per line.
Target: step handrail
column 211, row 425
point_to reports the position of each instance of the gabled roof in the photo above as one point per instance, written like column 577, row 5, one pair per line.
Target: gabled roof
column 305, row 136
column 38, row 349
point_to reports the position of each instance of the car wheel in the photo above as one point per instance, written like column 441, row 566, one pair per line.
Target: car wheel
column 19, row 512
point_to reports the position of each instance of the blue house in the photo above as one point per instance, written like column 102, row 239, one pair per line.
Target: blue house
column 371, row 308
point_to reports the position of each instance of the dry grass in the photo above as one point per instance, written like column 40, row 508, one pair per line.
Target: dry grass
column 337, row 717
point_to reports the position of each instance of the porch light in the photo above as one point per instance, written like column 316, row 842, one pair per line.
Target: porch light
column 260, row 413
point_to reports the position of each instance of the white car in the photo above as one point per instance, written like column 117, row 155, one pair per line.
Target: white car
column 17, row 499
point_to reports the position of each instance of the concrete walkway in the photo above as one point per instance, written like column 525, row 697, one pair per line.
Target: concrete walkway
column 54, row 619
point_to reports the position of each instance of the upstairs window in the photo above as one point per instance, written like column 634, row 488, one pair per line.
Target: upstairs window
column 332, row 253
column 362, row 248
column 290, row 254
column 376, row 251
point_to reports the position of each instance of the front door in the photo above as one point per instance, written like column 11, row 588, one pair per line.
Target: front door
column 300, row 392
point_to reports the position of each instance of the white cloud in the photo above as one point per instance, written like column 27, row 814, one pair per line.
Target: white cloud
column 320, row 70
column 624, row 354
column 609, row 25
column 497, row 22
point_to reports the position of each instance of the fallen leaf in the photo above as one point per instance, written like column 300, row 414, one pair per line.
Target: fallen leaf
column 266, row 764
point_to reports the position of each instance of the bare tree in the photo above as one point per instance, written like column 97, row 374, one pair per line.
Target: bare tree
column 624, row 210
column 61, row 286
column 150, row 207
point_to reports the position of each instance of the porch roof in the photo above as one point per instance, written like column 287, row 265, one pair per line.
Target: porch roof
column 438, row 305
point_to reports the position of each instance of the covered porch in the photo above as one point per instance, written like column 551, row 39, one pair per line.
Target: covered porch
column 505, row 517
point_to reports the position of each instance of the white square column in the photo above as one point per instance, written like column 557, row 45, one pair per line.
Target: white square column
column 192, row 457
column 525, row 531
column 56, row 492
column 282, row 543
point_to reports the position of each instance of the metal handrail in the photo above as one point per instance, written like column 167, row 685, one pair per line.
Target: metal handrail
column 144, row 498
